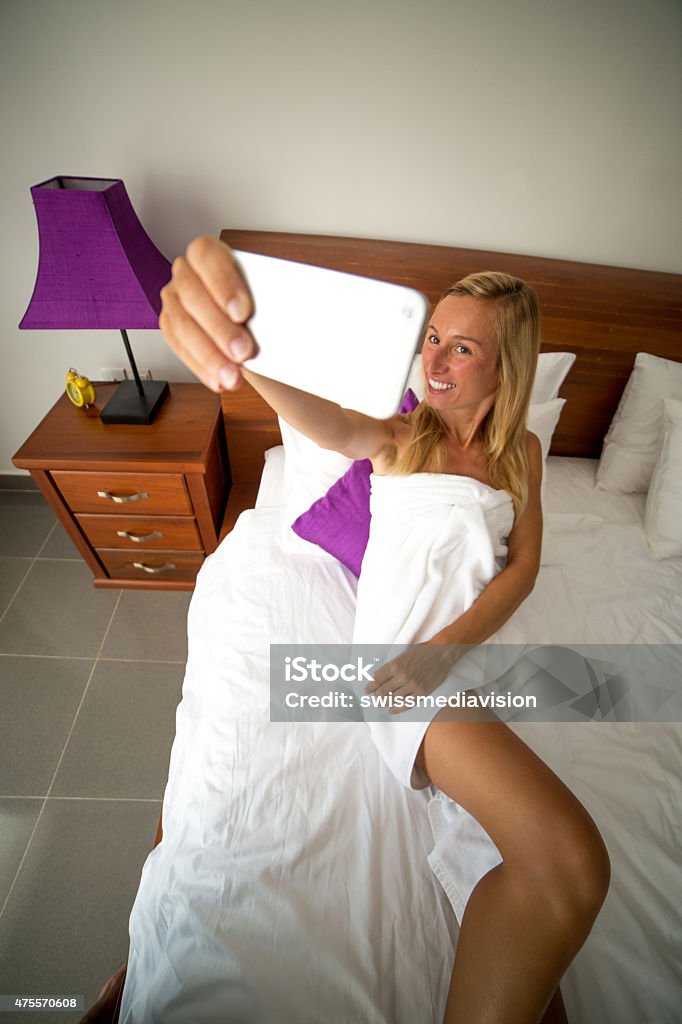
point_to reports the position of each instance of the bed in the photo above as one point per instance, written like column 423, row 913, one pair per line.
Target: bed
column 292, row 879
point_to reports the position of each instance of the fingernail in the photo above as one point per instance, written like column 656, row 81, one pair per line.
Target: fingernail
column 240, row 347
column 228, row 376
column 237, row 308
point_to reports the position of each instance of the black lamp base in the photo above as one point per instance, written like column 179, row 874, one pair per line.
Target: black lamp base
column 127, row 405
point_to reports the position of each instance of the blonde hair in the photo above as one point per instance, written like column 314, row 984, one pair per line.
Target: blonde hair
column 516, row 320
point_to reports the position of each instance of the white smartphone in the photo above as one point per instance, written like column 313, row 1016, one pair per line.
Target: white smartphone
column 346, row 338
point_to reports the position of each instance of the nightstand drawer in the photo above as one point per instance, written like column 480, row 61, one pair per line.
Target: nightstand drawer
column 124, row 493
column 138, row 532
column 150, row 565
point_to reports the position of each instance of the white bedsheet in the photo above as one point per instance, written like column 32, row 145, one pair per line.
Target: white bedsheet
column 606, row 589
column 293, row 867
column 292, row 882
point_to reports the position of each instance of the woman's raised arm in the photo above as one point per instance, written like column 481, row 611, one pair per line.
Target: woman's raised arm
column 205, row 310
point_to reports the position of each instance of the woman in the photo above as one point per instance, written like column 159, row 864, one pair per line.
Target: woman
column 528, row 917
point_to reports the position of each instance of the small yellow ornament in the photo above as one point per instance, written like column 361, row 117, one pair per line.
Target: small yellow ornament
column 79, row 389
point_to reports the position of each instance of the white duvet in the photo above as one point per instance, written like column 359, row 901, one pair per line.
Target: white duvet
column 292, row 882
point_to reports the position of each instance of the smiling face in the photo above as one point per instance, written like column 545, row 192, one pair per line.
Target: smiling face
column 459, row 358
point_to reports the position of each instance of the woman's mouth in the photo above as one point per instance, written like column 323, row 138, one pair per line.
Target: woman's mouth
column 439, row 385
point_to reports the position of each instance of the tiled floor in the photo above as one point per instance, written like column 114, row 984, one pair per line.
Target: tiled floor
column 89, row 683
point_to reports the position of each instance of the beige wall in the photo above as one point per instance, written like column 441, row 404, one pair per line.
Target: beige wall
column 534, row 126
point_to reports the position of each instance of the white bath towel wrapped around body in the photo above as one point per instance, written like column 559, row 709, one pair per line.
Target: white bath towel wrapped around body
column 436, row 541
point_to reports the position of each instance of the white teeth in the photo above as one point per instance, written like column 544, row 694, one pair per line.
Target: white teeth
column 438, row 385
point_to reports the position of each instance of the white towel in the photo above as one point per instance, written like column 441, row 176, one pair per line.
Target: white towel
column 436, row 540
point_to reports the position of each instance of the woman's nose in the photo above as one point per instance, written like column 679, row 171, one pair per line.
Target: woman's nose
column 438, row 362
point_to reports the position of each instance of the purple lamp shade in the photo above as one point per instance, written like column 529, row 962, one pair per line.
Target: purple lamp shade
column 97, row 268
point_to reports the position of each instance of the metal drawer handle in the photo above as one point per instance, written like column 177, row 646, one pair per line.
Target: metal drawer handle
column 152, row 569
column 120, row 501
column 138, row 537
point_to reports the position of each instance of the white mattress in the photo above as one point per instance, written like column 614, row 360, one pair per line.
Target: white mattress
column 293, row 870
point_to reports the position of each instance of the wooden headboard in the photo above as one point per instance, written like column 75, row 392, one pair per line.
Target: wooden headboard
column 603, row 314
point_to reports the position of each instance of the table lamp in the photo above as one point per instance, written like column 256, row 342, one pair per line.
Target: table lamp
column 98, row 269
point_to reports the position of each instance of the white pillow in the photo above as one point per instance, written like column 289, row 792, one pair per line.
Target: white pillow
column 415, row 379
column 633, row 439
column 663, row 511
column 309, row 472
column 542, row 421
column 550, row 374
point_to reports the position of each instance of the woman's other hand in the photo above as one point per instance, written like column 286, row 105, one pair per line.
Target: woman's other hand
column 205, row 307
column 417, row 671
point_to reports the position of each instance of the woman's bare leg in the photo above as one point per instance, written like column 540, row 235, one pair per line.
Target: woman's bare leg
column 556, row 1011
column 528, row 917
column 106, row 1009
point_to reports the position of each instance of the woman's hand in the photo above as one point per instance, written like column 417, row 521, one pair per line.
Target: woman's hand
column 204, row 308
column 418, row 671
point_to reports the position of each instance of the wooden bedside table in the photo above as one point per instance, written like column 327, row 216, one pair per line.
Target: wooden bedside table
column 143, row 504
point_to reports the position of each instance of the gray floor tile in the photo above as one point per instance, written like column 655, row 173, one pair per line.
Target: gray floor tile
column 57, row 612
column 12, row 572
column 17, row 818
column 65, row 928
column 59, row 545
column 39, row 698
column 149, row 626
column 25, row 521
column 22, row 481
column 120, row 745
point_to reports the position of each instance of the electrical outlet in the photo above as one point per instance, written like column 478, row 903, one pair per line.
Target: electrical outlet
column 118, row 373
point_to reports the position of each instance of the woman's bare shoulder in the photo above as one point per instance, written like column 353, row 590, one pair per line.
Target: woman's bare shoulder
column 534, row 451
column 533, row 446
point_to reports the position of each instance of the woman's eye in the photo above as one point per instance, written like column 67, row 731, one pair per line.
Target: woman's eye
column 433, row 339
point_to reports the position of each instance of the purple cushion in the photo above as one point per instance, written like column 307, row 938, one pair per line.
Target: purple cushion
column 338, row 522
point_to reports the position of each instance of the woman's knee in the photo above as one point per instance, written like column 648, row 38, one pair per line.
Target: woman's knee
column 549, row 844
column 588, row 869
column 571, row 870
